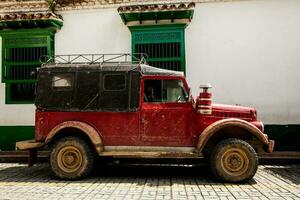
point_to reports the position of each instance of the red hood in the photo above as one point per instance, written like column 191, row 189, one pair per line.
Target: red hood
column 230, row 111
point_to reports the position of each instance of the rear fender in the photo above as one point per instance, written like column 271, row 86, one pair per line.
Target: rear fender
column 91, row 132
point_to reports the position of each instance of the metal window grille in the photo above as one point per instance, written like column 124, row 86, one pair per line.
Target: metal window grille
column 21, row 60
column 164, row 47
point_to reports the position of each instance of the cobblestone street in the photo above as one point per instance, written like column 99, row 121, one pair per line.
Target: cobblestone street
column 17, row 181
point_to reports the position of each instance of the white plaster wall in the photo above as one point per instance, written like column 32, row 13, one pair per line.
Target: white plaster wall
column 86, row 31
column 93, row 31
column 249, row 51
column 21, row 114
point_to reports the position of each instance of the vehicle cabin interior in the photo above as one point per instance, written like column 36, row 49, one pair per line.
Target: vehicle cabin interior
column 164, row 91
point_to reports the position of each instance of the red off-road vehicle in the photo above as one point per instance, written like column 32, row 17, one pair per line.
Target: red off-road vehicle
column 88, row 106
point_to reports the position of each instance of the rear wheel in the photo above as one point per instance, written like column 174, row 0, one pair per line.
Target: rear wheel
column 71, row 158
column 234, row 160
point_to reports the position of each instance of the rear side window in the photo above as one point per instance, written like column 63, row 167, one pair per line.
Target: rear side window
column 55, row 90
column 114, row 82
column 62, row 81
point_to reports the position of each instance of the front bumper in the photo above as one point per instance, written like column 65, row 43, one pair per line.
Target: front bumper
column 271, row 146
column 28, row 144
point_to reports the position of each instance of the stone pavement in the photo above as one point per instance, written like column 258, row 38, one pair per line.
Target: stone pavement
column 17, row 181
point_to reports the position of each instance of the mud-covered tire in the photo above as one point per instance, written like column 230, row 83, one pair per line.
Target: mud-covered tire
column 233, row 160
column 71, row 158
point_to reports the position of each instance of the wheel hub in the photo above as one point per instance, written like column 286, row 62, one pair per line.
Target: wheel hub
column 235, row 161
column 69, row 159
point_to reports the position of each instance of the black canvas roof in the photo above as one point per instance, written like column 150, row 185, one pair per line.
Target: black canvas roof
column 93, row 82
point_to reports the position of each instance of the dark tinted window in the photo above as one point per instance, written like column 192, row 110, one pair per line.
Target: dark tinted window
column 87, row 94
column 114, row 82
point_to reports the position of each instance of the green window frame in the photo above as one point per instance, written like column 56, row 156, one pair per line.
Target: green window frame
column 21, row 51
column 163, row 44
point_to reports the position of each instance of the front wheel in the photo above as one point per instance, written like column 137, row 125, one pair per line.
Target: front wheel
column 234, row 160
column 71, row 158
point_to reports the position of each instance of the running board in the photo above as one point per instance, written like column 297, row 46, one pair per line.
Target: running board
column 151, row 154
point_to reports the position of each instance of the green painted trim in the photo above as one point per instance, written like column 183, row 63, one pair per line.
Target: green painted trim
column 25, row 32
column 8, row 99
column 29, row 24
column 164, row 32
column 157, row 15
column 23, row 38
column 23, row 63
column 164, row 59
column 183, row 62
column 22, row 81
column 9, row 135
column 157, row 27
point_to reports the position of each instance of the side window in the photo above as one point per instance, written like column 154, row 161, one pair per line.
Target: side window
column 173, row 91
column 114, row 82
column 165, row 91
column 153, row 91
column 55, row 90
column 62, row 82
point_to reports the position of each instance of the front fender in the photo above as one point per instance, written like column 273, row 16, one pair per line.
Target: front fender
column 215, row 127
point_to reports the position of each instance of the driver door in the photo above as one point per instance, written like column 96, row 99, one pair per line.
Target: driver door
column 166, row 113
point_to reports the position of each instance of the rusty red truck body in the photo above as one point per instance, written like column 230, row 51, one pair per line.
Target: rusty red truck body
column 134, row 110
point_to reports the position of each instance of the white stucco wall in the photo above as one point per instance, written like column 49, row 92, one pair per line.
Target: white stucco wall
column 13, row 114
column 247, row 50
column 85, row 31
column 93, row 31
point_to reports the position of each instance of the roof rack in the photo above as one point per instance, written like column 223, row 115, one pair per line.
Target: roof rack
column 137, row 58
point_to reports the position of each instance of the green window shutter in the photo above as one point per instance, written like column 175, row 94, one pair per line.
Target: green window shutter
column 164, row 45
column 20, row 58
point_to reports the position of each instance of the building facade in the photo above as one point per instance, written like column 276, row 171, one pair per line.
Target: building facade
column 248, row 51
